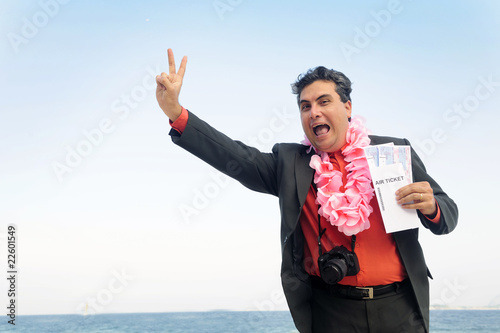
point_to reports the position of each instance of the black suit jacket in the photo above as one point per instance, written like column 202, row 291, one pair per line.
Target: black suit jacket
column 286, row 173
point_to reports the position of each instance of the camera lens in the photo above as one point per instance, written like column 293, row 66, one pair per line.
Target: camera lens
column 334, row 271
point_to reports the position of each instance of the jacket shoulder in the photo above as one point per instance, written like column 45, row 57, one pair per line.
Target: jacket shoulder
column 377, row 139
column 287, row 148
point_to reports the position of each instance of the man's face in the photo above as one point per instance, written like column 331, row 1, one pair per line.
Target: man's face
column 324, row 116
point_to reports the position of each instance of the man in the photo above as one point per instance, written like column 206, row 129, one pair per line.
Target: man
column 326, row 201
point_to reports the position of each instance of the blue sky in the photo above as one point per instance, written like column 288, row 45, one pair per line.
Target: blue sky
column 77, row 78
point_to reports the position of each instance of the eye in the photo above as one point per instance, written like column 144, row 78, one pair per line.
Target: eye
column 304, row 107
column 324, row 101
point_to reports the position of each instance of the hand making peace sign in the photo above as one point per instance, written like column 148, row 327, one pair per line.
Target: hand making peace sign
column 169, row 87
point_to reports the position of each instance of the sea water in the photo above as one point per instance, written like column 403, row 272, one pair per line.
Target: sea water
column 455, row 321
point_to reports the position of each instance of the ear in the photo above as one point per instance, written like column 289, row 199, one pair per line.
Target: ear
column 348, row 108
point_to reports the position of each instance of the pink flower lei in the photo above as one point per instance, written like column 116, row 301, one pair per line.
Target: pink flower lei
column 349, row 211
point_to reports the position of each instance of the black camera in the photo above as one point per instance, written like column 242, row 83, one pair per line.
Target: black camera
column 337, row 263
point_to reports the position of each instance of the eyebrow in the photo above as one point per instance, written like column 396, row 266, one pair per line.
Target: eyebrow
column 320, row 97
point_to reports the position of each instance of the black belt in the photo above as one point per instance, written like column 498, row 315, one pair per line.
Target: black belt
column 359, row 292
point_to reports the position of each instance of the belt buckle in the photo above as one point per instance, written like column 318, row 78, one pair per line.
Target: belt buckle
column 367, row 292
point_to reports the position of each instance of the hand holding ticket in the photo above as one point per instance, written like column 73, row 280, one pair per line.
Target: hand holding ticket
column 417, row 196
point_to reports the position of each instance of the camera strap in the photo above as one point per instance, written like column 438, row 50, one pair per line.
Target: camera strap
column 321, row 232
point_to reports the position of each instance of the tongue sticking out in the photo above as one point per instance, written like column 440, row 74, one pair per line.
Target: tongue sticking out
column 321, row 129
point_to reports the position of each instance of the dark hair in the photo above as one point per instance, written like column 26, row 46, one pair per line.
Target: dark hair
column 342, row 82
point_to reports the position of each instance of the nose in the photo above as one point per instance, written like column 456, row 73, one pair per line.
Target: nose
column 315, row 111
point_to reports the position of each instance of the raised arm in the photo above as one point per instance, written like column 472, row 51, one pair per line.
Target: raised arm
column 168, row 87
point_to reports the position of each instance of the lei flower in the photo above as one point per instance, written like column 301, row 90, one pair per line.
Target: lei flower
column 348, row 210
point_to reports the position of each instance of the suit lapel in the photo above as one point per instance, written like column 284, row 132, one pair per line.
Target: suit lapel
column 303, row 175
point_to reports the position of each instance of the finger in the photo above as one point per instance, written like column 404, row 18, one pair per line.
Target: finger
column 414, row 197
column 159, row 86
column 404, row 200
column 182, row 68
column 419, row 187
column 163, row 80
column 411, row 206
column 159, row 79
column 171, row 61
column 405, row 190
column 425, row 207
column 412, row 201
column 160, row 82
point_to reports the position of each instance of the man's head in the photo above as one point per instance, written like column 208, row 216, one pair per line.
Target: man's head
column 342, row 82
column 324, row 102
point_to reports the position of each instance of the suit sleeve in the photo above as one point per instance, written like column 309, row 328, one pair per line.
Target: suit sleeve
column 448, row 209
column 249, row 166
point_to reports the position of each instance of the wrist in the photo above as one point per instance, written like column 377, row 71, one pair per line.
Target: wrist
column 173, row 112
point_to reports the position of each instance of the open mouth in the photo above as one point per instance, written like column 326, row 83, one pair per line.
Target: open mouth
column 321, row 129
